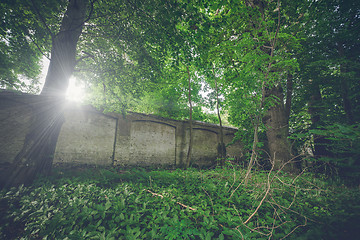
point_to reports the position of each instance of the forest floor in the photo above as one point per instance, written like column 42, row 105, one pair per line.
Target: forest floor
column 103, row 203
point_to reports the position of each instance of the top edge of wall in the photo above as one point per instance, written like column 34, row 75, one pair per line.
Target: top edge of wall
column 17, row 95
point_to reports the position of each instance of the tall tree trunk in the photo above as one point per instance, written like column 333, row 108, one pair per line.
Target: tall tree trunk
column 63, row 50
column 38, row 150
column 191, row 137
column 315, row 109
column 277, row 117
column 277, row 130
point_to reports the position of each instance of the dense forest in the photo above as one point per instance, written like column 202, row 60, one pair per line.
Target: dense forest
column 285, row 73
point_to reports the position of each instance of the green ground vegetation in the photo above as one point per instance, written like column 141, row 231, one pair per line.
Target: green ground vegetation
column 100, row 203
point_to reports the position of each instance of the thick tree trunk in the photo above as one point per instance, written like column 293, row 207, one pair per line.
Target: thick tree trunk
column 276, row 119
column 63, row 50
column 277, row 130
column 37, row 153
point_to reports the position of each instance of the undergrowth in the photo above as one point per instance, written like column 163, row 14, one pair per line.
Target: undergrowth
column 179, row 204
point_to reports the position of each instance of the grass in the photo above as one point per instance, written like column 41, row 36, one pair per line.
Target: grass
column 99, row 203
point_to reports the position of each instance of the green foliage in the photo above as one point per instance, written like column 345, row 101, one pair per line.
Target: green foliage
column 106, row 204
column 344, row 144
column 130, row 65
column 24, row 40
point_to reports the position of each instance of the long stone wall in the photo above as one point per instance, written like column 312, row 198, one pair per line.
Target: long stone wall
column 87, row 136
column 91, row 137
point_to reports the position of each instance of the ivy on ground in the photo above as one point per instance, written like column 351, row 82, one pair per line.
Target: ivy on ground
column 178, row 204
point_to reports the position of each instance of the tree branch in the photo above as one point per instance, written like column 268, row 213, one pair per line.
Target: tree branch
column 91, row 11
column 38, row 47
column 87, row 55
column 159, row 195
column 87, row 19
column 41, row 18
column 265, row 195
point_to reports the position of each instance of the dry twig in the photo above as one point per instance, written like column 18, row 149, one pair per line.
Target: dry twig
column 265, row 195
column 181, row 204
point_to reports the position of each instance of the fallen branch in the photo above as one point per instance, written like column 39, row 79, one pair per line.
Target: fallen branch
column 302, row 225
column 265, row 195
column 181, row 204
column 185, row 206
column 278, row 209
column 154, row 194
column 288, row 209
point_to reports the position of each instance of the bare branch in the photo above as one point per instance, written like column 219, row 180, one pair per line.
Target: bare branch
column 38, row 47
column 278, row 25
column 87, row 55
column 303, row 225
column 159, row 195
column 265, row 195
column 91, row 11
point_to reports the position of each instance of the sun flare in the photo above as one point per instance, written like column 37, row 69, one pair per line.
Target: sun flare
column 75, row 91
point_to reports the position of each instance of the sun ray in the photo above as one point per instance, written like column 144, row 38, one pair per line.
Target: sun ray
column 75, row 91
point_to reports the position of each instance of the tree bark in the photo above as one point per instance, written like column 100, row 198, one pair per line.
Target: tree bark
column 315, row 111
column 63, row 50
column 277, row 130
column 276, row 117
column 38, row 150
column 37, row 153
